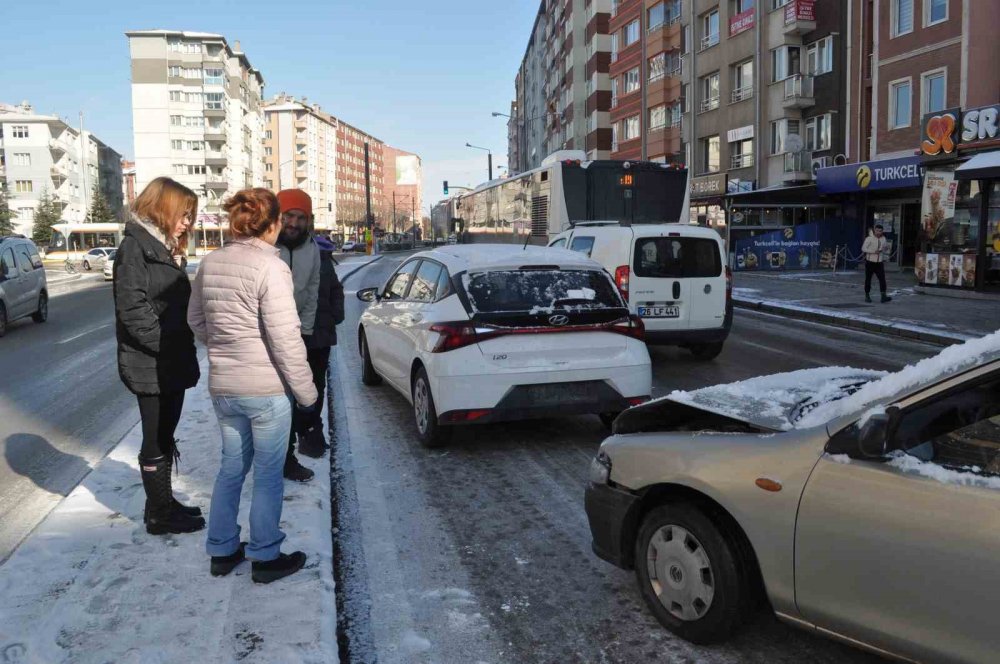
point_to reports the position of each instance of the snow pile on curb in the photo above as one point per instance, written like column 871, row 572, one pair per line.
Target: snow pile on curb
column 89, row 585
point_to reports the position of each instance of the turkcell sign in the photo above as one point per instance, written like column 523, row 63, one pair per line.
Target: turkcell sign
column 871, row 176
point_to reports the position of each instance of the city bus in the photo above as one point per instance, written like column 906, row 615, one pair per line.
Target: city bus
column 540, row 203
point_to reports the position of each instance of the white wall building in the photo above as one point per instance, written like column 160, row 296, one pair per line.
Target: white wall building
column 196, row 114
column 43, row 154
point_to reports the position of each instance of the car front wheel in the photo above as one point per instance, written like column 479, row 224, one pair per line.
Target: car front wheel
column 3, row 320
column 42, row 314
column 368, row 374
column 690, row 574
column 425, row 415
column 86, row 265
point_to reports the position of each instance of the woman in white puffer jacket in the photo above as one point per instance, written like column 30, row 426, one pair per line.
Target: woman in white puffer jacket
column 243, row 309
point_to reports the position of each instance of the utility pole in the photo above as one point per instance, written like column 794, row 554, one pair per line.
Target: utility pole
column 394, row 218
column 413, row 220
column 369, row 222
column 84, row 144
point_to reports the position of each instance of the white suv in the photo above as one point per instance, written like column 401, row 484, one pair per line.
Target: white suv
column 486, row 333
column 23, row 288
column 674, row 277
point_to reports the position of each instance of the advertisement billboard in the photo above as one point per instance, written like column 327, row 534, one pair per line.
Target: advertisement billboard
column 803, row 247
column 407, row 170
column 938, row 204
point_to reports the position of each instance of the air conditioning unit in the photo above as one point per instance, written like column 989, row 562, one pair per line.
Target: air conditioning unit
column 818, row 163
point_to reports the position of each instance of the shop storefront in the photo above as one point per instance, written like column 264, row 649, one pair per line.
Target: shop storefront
column 707, row 192
column 960, row 203
column 786, row 228
column 885, row 192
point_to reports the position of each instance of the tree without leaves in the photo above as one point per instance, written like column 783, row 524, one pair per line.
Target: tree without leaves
column 47, row 214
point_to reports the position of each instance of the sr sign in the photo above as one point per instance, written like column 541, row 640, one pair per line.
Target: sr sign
column 942, row 132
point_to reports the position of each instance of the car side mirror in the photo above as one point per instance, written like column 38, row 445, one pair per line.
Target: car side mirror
column 368, row 294
column 876, row 432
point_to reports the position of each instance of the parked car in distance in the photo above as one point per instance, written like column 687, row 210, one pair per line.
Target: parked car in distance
column 487, row 333
column 674, row 276
column 348, row 247
column 109, row 265
column 861, row 505
column 96, row 257
column 23, row 287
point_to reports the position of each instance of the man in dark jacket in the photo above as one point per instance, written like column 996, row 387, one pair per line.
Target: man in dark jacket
column 320, row 302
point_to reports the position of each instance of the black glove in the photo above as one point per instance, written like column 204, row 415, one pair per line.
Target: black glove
column 305, row 410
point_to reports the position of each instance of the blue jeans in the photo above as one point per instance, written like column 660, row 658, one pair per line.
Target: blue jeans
column 254, row 433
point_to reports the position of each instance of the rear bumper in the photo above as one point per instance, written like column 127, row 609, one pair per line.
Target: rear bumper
column 709, row 335
column 612, row 513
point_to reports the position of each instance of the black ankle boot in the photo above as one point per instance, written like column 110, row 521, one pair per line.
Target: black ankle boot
column 272, row 570
column 223, row 565
column 160, row 516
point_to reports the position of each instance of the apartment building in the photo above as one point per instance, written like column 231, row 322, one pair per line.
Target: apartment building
column 128, row 182
column 196, row 117
column 351, row 201
column 43, row 154
column 403, row 189
column 562, row 95
column 300, row 152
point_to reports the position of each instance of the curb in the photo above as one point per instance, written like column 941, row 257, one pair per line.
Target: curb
column 361, row 267
column 901, row 330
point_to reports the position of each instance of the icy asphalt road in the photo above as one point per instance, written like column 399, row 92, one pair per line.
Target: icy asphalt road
column 62, row 406
column 480, row 552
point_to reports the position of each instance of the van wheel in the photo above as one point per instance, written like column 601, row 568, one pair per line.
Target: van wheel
column 430, row 433
column 3, row 320
column 42, row 314
column 368, row 374
column 690, row 574
column 706, row 351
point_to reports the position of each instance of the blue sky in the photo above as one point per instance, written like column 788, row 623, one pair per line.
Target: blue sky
column 423, row 76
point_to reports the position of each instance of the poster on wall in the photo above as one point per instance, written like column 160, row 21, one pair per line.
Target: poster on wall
column 969, row 271
column 932, row 269
column 955, row 270
column 803, row 247
column 938, row 206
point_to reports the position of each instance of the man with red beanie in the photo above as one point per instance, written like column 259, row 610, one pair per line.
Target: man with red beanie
column 300, row 253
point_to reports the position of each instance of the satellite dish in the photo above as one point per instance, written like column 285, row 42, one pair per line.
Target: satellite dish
column 793, row 142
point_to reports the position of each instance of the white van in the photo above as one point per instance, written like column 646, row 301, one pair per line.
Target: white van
column 673, row 276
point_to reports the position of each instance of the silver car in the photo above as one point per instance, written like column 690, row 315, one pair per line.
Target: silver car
column 24, row 289
column 860, row 505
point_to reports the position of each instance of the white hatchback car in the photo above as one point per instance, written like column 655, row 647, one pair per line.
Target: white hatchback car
column 485, row 333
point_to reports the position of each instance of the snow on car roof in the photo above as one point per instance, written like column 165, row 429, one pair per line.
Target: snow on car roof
column 495, row 256
column 949, row 362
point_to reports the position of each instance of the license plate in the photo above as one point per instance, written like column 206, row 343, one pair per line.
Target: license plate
column 660, row 312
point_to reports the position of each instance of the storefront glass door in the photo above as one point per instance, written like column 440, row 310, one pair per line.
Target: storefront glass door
column 890, row 219
column 990, row 249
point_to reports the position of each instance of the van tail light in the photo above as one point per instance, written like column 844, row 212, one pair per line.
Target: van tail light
column 621, row 280
column 729, row 284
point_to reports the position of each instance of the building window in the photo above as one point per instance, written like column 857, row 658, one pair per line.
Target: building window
column 820, row 56
column 267, row 134
column 23, row 186
column 196, row 146
column 19, row 131
column 176, row 120
column 176, row 145
column 631, row 80
column 654, row 17
column 710, row 29
column 777, row 4
column 710, row 154
column 268, row 167
column 785, row 62
column 614, row 47
column 174, row 71
column 780, row 131
column 710, row 92
column 26, row 214
column 740, row 6
column 899, row 104
column 934, row 96
column 194, row 121
column 180, row 169
column 818, row 133
column 214, row 101
column 630, row 128
column 743, row 81
column 22, row 159
column 213, row 76
column 902, row 17
column 175, row 95
column 196, row 170
column 935, row 11
column 742, row 153
column 658, row 117
column 614, row 92
column 631, row 33
column 268, row 151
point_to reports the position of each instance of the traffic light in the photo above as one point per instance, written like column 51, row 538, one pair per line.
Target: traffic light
column 445, row 187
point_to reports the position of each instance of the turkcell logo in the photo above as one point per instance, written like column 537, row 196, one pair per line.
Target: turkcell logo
column 871, row 175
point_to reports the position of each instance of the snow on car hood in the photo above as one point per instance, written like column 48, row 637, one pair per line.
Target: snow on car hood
column 772, row 402
column 950, row 361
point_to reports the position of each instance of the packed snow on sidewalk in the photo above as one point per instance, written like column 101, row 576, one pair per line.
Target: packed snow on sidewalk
column 89, row 585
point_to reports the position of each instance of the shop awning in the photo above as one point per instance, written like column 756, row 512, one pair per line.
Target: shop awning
column 985, row 165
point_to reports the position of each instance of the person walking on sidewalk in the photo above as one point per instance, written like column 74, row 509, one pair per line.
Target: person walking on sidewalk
column 299, row 252
column 329, row 314
column 874, row 249
column 157, row 359
column 243, row 309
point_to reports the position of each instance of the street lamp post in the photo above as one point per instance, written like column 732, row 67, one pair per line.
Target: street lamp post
column 489, row 155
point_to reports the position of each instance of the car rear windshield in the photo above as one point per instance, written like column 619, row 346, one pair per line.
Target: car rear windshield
column 541, row 291
column 677, row 257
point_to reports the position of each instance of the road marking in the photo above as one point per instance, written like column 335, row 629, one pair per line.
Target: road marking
column 83, row 334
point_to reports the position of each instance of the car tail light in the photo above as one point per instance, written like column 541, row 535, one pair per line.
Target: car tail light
column 729, row 284
column 457, row 416
column 621, row 280
column 637, row 401
column 631, row 327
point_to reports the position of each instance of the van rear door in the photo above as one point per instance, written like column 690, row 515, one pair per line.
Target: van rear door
column 677, row 282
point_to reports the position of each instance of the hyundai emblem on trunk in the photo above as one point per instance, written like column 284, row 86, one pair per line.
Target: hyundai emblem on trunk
column 558, row 320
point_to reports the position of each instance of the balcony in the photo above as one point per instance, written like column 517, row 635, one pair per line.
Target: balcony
column 57, row 147
column 798, row 92
column 741, row 94
column 216, row 133
column 741, row 161
column 216, row 182
column 800, row 17
column 708, row 41
column 216, row 158
column 58, row 174
column 797, row 167
column 709, row 104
